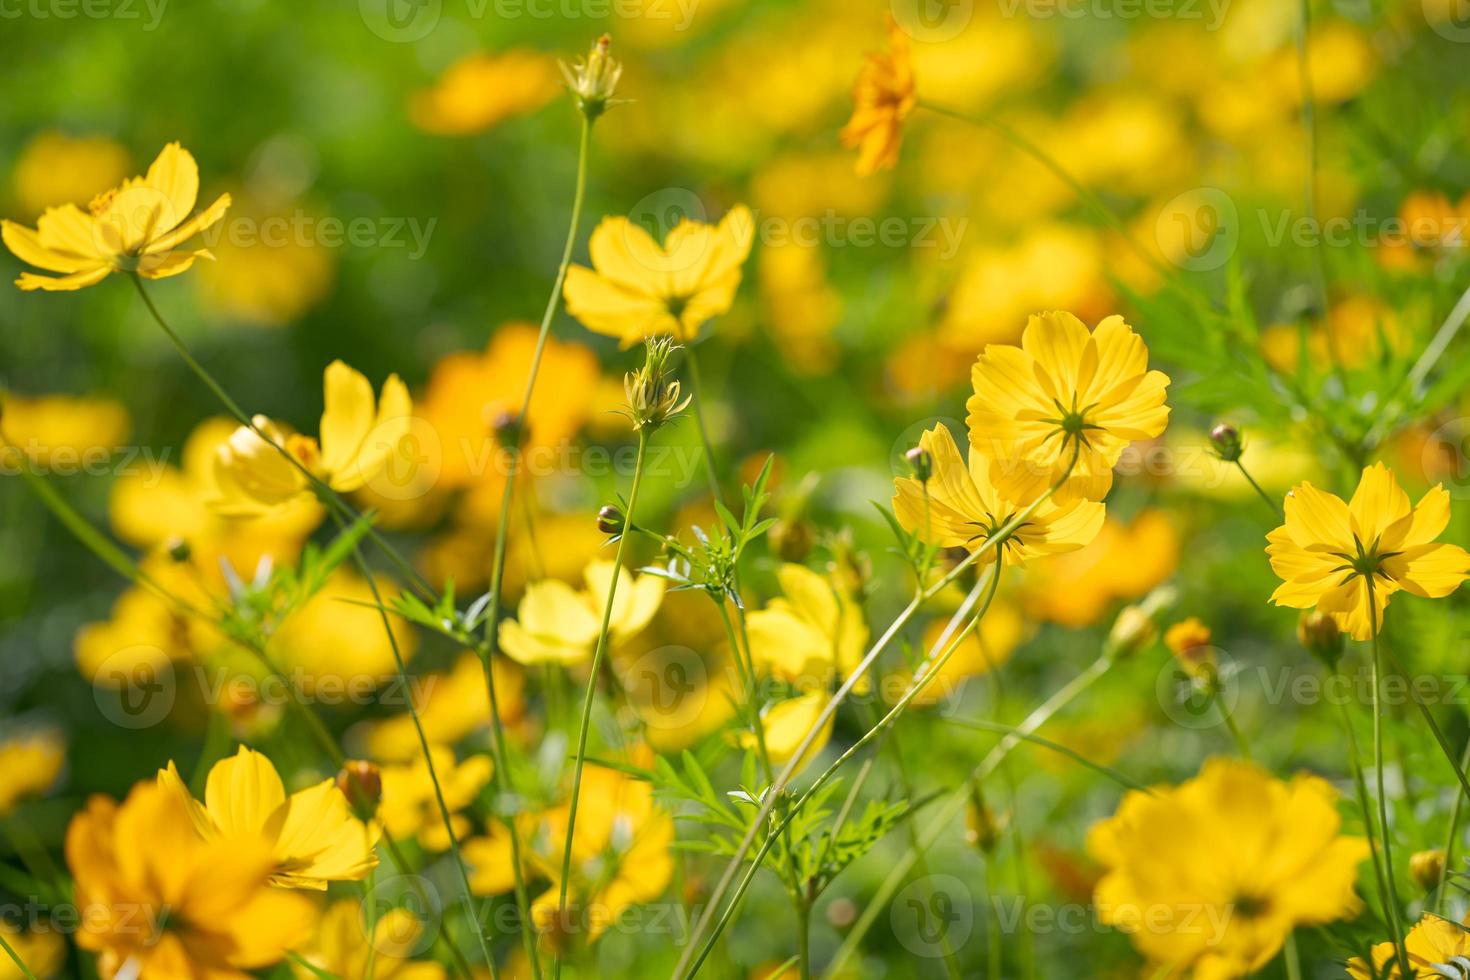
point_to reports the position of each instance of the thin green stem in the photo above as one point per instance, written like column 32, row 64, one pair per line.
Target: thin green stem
column 1452, row 837
column 15, row 957
column 1394, row 914
column 1293, row 958
column 696, row 387
column 603, row 640
column 980, row 725
column 1309, row 190
column 1272, row 504
column 1242, row 744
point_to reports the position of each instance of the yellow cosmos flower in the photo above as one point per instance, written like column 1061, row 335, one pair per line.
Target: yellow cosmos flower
column 963, row 508
column 882, row 99
column 1337, row 556
column 556, row 624
column 29, row 765
column 341, row 946
column 480, row 90
column 815, row 629
column 1064, row 393
column 312, row 834
column 786, row 723
column 1214, row 874
column 638, row 288
column 409, row 808
column 621, row 853
column 63, row 433
column 166, row 904
column 43, row 951
column 358, row 438
column 1431, row 942
column 136, row 227
column 55, row 168
column 1189, row 641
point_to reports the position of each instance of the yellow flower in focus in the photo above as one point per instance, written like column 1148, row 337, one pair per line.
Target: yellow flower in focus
column 341, row 947
column 882, row 99
column 336, row 644
column 29, row 765
column 358, row 438
column 1348, row 559
column 164, row 902
column 1214, row 874
column 556, row 624
column 638, row 288
column 409, row 808
column 55, row 168
column 1432, row 941
column 312, row 833
column 42, row 950
column 785, row 724
column 815, row 629
column 1064, row 394
column 450, row 707
column 621, row 853
column 960, row 508
column 62, row 433
column 481, row 90
column 136, row 227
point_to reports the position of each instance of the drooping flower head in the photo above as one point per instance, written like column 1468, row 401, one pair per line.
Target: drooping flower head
column 136, row 227
column 1212, row 875
column 1336, row 556
column 312, row 833
column 358, row 438
column 1064, row 394
column 964, row 509
column 882, row 99
column 638, row 288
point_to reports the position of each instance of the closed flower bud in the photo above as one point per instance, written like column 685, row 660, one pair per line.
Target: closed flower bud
column 1133, row 631
column 593, row 80
column 1226, row 439
column 792, row 539
column 1319, row 635
column 1189, row 641
column 921, row 462
column 611, row 520
column 653, row 397
column 362, row 784
column 1426, row 868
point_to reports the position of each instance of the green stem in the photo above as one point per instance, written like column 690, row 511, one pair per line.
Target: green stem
column 20, row 963
column 696, row 387
column 591, row 693
column 1241, row 743
column 1275, row 507
column 1394, row 915
column 1293, row 958
column 1452, row 836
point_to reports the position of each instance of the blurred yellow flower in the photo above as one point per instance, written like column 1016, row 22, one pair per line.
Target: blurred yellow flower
column 42, row 950
column 556, row 624
column 335, row 644
column 1001, row 630
column 882, row 99
column 29, row 765
column 1432, row 941
column 450, row 707
column 481, row 90
column 786, row 724
column 1214, row 874
column 273, row 270
column 489, row 857
column 312, row 833
column 54, row 168
column 341, row 947
column 62, row 433
column 1125, row 561
column 409, row 807
column 1189, row 641
column 136, row 227
column 1064, row 394
column 1348, row 559
column 146, row 632
column 960, row 508
column 162, row 902
column 639, row 288
column 621, row 853
column 814, row 630
column 358, row 439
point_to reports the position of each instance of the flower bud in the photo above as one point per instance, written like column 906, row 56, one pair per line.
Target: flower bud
column 1319, row 635
column 653, row 397
column 1132, row 631
column 922, row 463
column 593, row 80
column 792, row 539
column 1189, row 641
column 362, row 783
column 611, row 520
column 1426, row 868
column 982, row 827
column 1226, row 439
column 508, row 427
column 178, row 549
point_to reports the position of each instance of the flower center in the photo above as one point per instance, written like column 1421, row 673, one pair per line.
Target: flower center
column 1072, row 423
column 987, row 529
column 1365, row 561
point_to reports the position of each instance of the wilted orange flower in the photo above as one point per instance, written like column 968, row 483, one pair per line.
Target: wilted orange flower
column 1347, row 559
column 638, row 288
column 882, row 99
column 1065, row 394
column 136, row 227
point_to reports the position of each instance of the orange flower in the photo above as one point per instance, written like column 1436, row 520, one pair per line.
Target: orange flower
column 883, row 97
